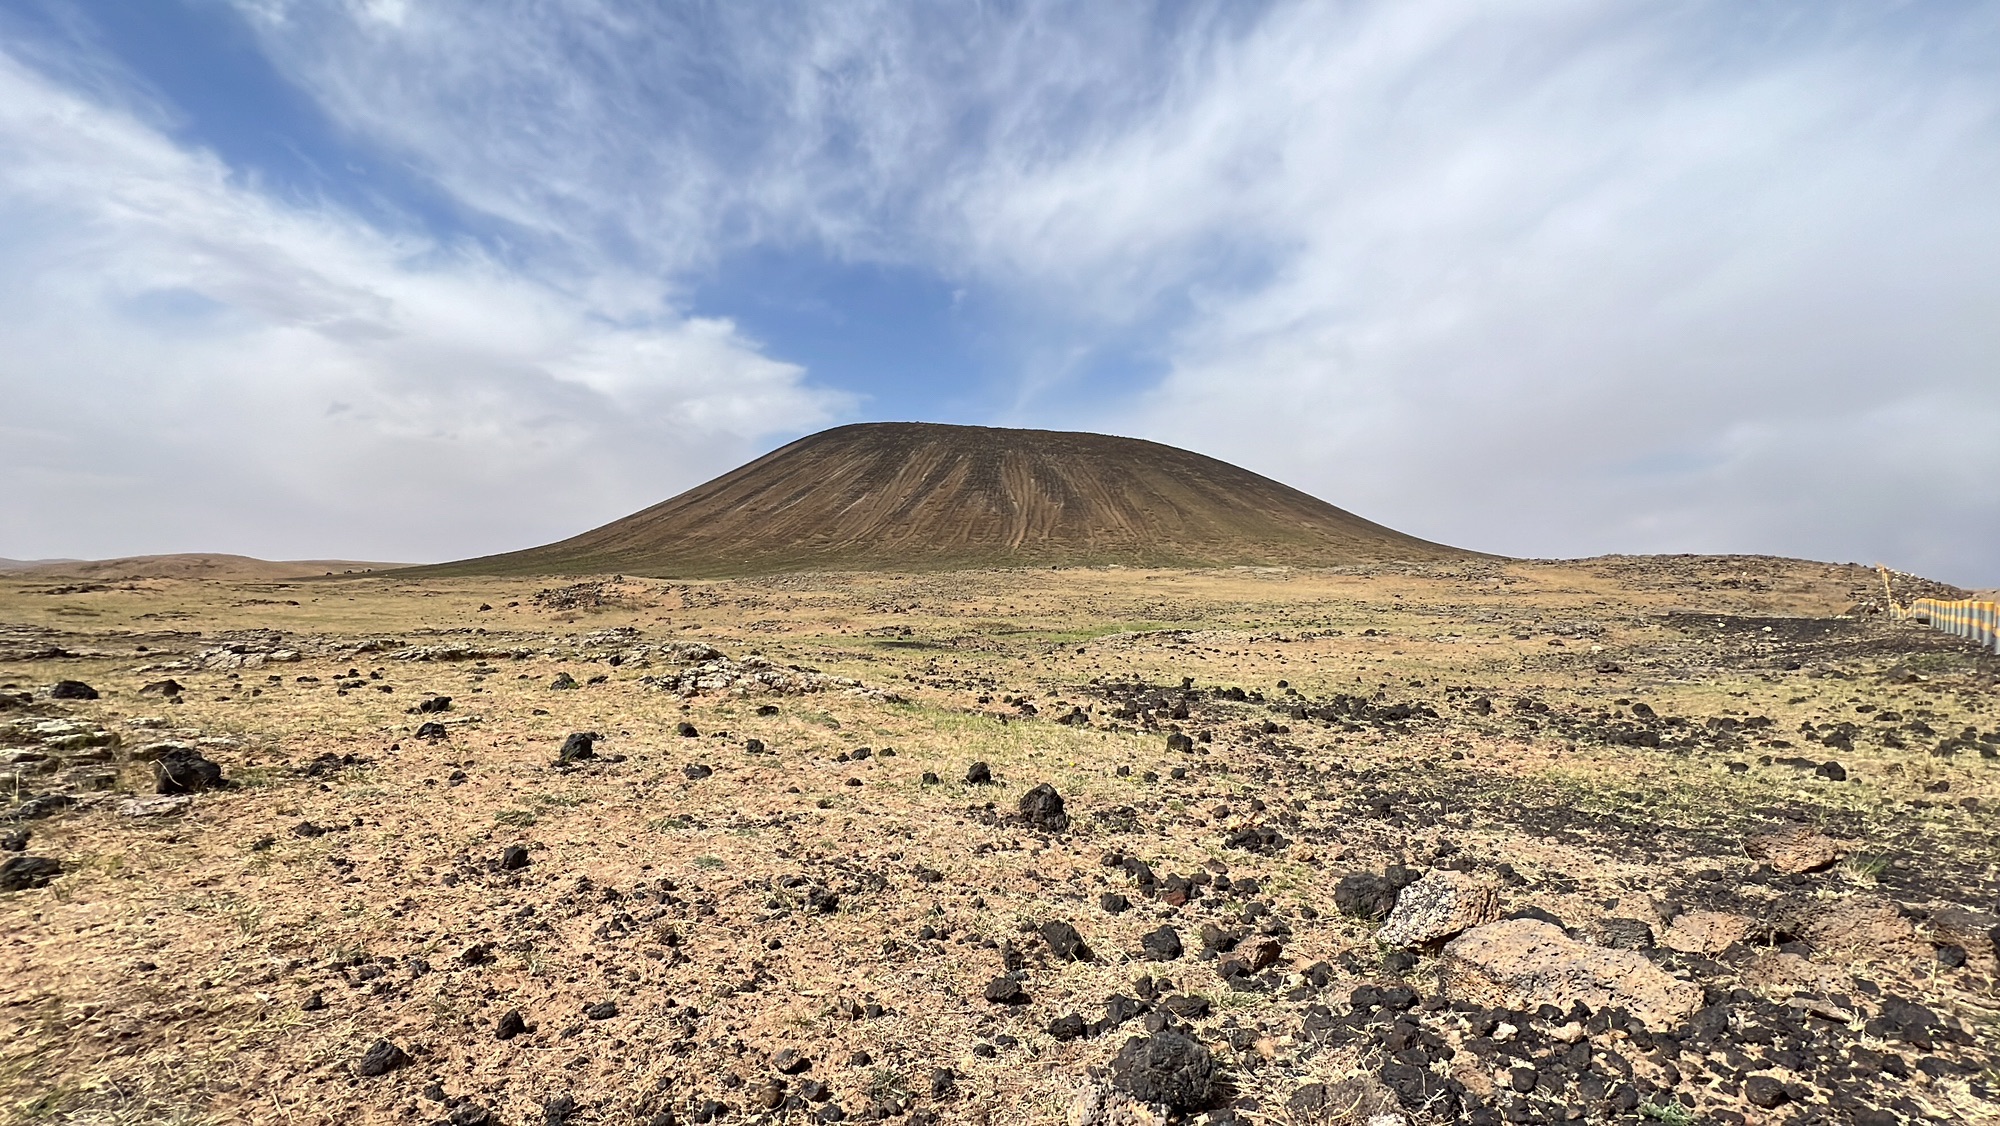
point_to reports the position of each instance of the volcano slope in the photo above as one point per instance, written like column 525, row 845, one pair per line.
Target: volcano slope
column 1745, row 842
column 911, row 496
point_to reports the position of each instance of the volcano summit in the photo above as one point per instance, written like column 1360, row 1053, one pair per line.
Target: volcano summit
column 925, row 496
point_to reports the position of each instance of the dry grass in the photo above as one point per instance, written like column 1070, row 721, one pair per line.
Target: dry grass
column 241, row 935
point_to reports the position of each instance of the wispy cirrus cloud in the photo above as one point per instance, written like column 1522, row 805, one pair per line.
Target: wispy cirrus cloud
column 193, row 363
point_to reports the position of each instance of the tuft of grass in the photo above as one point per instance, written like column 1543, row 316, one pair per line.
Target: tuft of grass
column 885, row 1084
column 565, row 800
column 519, row 818
column 710, row 862
column 1867, row 866
column 1671, row 1113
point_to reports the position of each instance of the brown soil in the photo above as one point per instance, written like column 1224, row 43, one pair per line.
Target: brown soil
column 921, row 496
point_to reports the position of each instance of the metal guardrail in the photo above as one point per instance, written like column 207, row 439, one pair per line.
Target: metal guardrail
column 1970, row 618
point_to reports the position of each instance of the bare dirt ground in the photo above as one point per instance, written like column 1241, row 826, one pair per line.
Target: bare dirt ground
column 1766, row 828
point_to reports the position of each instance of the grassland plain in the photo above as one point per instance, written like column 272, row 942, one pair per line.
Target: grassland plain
column 727, row 878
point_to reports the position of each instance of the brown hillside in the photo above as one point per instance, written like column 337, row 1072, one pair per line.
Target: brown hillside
column 193, row 566
column 923, row 496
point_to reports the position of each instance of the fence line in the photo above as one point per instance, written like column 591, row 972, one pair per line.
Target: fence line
column 1968, row 618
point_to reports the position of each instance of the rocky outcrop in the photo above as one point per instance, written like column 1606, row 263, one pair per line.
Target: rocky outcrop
column 1526, row 963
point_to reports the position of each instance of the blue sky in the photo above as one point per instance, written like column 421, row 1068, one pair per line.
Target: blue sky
column 415, row 280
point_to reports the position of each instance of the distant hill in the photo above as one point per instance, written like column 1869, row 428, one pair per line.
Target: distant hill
column 191, row 567
column 7, row 565
column 923, row 496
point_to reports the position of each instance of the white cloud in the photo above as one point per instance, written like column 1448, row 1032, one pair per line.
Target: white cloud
column 1559, row 277
column 193, row 365
column 1562, row 289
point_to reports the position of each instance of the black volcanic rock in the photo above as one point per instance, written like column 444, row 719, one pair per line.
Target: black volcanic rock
column 182, row 770
column 1167, row 1067
column 1042, row 808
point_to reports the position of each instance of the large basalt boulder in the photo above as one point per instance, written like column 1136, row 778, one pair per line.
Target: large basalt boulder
column 1526, row 963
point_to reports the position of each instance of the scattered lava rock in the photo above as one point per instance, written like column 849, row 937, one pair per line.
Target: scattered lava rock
column 1364, row 895
column 16, row 841
column 182, row 770
column 579, row 746
column 1069, row 1026
column 1765, row 1091
column 1167, row 1067
column 602, row 1010
column 513, row 858
column 1064, row 942
column 20, row 873
column 1260, row 839
column 1163, row 945
column 329, row 763
column 510, row 1025
column 1042, row 808
column 1005, row 990
column 72, row 690
column 978, row 774
column 382, row 1059
column 433, row 705
column 432, row 730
